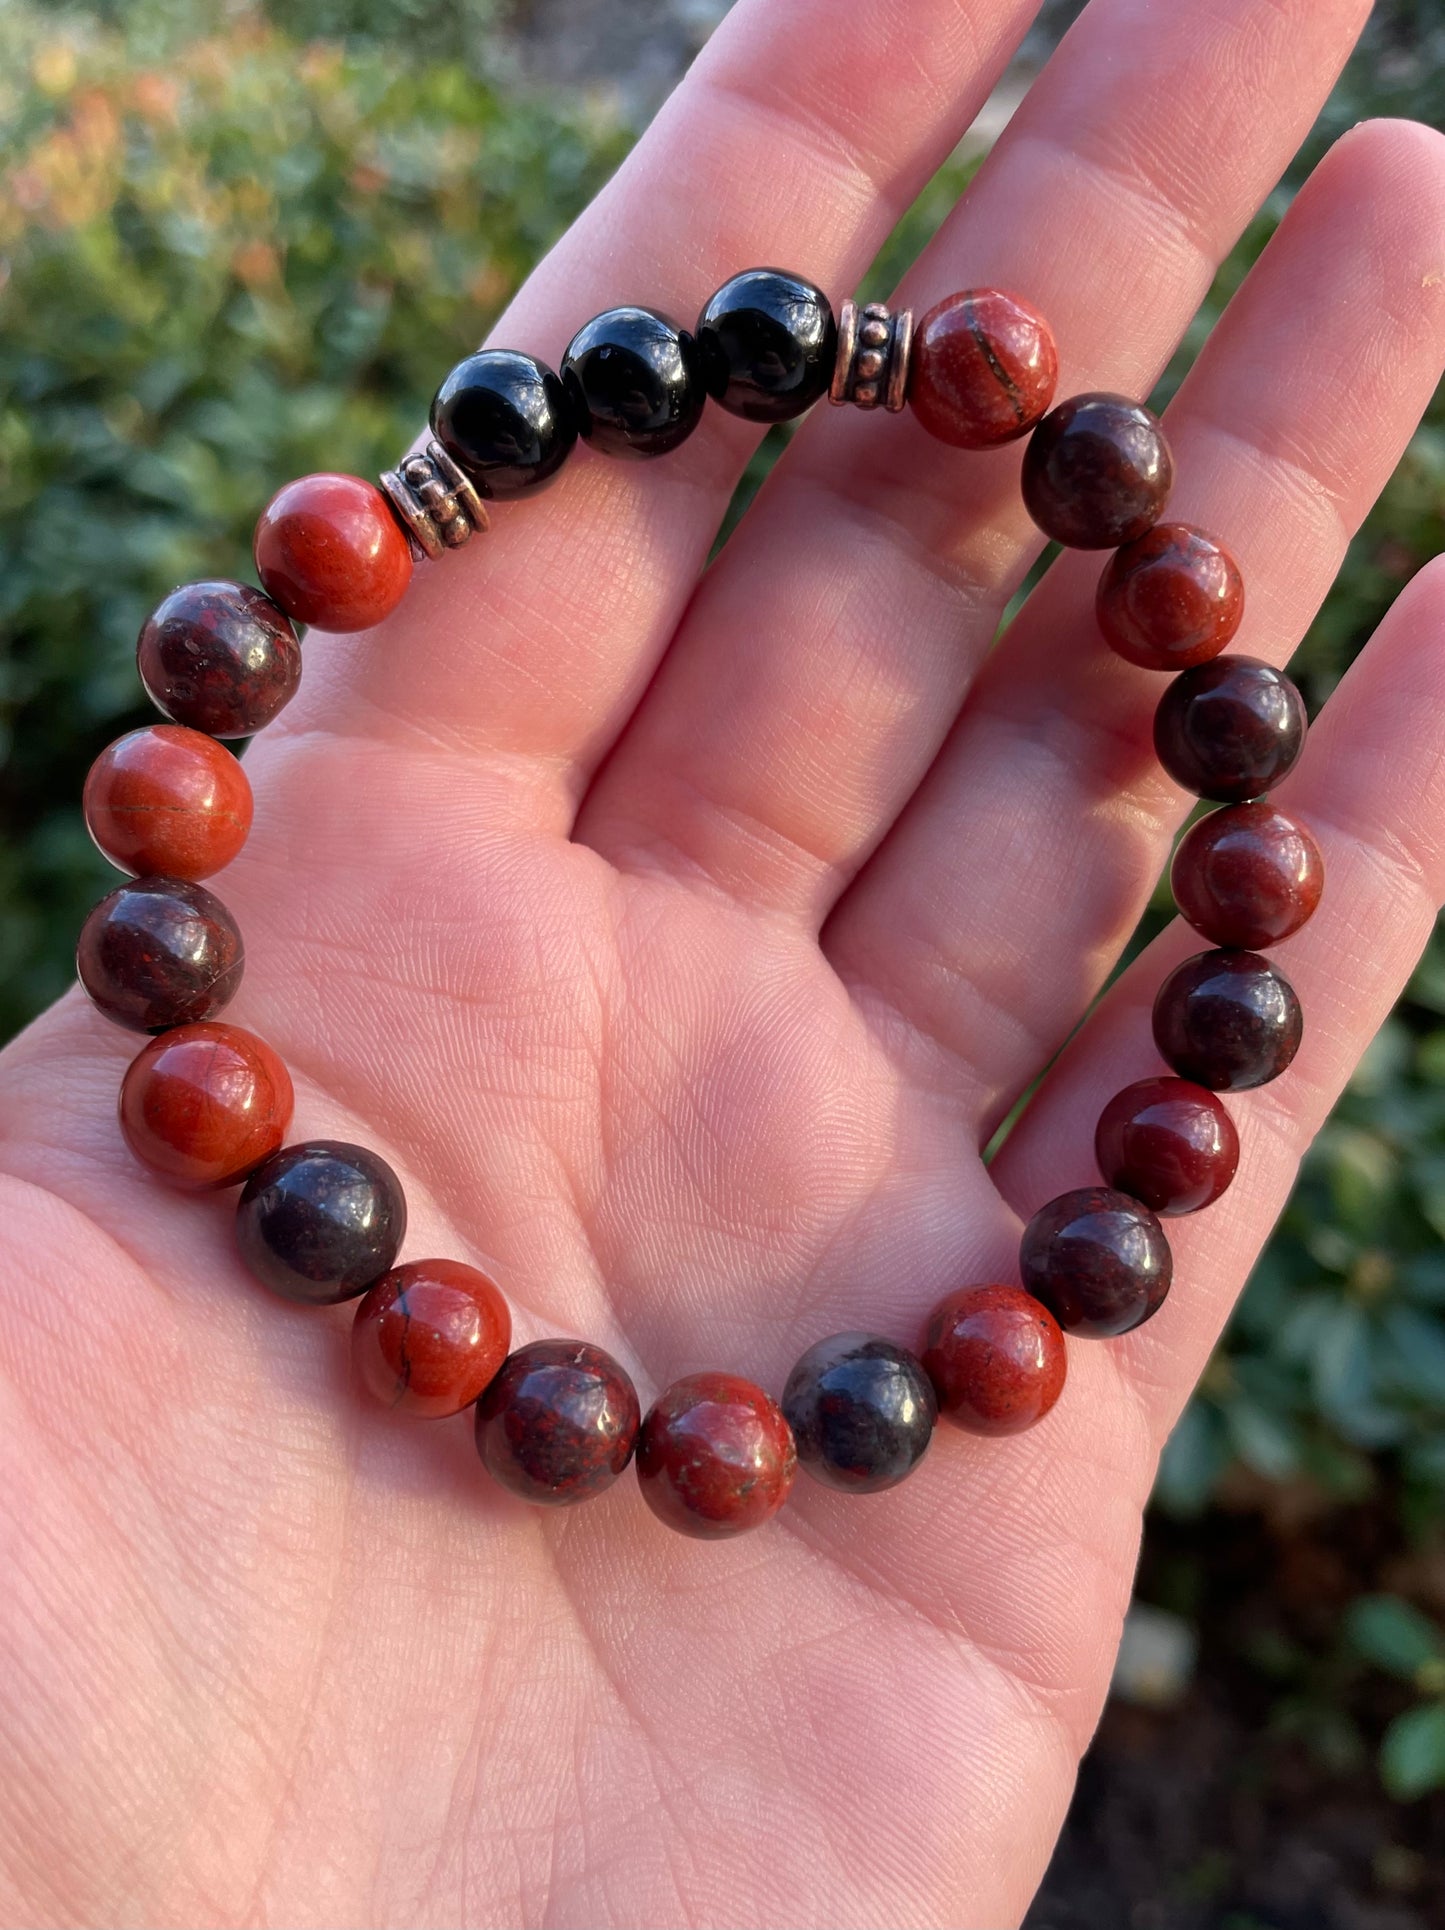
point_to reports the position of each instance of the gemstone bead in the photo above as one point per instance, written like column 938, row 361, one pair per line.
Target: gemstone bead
column 330, row 552
column 168, row 802
column 983, row 370
column 1169, row 1143
column 996, row 1357
column 203, row 1105
column 1097, row 472
column 1172, row 598
column 1231, row 729
column 715, row 1457
column 219, row 657
column 506, row 422
column 428, row 1336
column 321, row 1221
column 1227, row 1020
column 1098, row 1260
column 768, row 342
column 635, row 382
column 559, row 1422
column 157, row 952
column 1247, row 876
column 862, row 1412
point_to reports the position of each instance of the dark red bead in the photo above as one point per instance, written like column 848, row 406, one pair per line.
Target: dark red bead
column 1098, row 1260
column 168, row 802
column 203, row 1105
column 429, row 1336
column 1170, row 599
column 1097, row 472
column 158, row 952
column 219, row 657
column 715, row 1457
column 1231, row 729
column 1228, row 1020
column 321, row 1221
column 983, row 369
column 996, row 1357
column 329, row 550
column 1247, row 876
column 559, row 1422
column 1169, row 1143
column 862, row 1412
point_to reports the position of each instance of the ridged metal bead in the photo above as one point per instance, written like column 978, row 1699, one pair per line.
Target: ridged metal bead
column 434, row 502
column 874, row 347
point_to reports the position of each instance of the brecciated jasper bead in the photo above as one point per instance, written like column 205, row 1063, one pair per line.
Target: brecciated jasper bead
column 1098, row 1260
column 158, row 952
column 1171, row 599
column 168, row 802
column 219, row 657
column 983, row 369
column 862, row 1412
column 1097, row 472
column 1247, row 876
column 505, row 420
column 559, row 1422
column 429, row 1336
column 768, row 342
column 1227, row 1020
column 330, row 552
column 635, row 382
column 715, row 1457
column 1231, row 729
column 996, row 1357
column 1169, row 1143
column 203, row 1105
column 321, row 1221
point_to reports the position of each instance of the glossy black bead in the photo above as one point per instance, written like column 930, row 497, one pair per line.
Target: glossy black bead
column 1230, row 729
column 158, row 952
column 862, row 1412
column 321, row 1221
column 506, row 420
column 769, row 342
column 1098, row 1260
column 635, row 382
column 1228, row 1020
column 219, row 657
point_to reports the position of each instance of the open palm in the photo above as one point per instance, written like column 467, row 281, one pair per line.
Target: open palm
column 681, row 945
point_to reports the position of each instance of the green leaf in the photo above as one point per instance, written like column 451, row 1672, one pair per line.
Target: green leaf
column 1412, row 1754
column 1393, row 1635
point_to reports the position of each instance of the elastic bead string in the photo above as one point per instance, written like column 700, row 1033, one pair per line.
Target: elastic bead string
column 207, row 1105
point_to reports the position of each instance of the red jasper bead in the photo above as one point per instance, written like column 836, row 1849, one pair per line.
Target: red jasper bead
column 1168, row 1143
column 1097, row 472
column 203, row 1105
column 220, row 657
column 715, row 1457
column 429, row 1336
column 1247, row 876
column 1172, row 598
column 330, row 552
column 1098, row 1260
column 559, row 1422
column 168, row 802
column 996, row 1357
column 984, row 368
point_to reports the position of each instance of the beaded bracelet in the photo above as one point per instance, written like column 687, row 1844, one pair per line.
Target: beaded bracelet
column 207, row 1105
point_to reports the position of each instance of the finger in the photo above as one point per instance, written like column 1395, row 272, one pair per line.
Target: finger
column 801, row 133
column 1371, row 786
column 994, row 912
column 825, row 656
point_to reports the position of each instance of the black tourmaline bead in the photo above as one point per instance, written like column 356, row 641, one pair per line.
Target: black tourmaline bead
column 158, row 952
column 635, row 382
column 559, row 1422
column 862, row 1412
column 505, row 420
column 1097, row 472
column 769, row 342
column 1230, row 729
column 1098, row 1260
column 321, row 1221
column 219, row 657
column 1228, row 1020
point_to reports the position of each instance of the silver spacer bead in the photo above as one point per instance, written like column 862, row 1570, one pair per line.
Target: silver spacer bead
column 873, row 351
column 434, row 502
